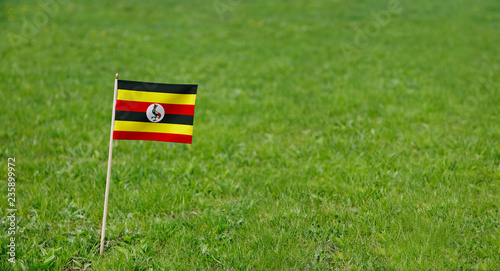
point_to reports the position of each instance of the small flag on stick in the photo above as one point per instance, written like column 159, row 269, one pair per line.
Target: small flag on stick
column 149, row 111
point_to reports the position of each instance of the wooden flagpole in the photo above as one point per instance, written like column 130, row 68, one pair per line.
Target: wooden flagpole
column 108, row 176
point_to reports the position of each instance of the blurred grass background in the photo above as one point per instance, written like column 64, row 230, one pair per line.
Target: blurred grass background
column 305, row 155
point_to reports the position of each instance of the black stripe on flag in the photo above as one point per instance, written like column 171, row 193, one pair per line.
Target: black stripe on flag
column 157, row 87
column 141, row 116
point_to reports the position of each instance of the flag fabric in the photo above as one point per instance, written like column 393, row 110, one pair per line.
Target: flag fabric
column 153, row 111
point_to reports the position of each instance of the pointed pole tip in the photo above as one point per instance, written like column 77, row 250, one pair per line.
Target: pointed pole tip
column 116, row 76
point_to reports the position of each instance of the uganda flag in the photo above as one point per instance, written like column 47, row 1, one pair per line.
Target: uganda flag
column 152, row 111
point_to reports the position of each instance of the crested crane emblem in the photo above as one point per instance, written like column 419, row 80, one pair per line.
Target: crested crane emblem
column 155, row 112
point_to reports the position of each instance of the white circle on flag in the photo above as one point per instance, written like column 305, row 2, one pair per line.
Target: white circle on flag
column 155, row 112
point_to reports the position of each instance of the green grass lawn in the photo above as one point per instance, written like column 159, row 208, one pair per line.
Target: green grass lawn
column 328, row 135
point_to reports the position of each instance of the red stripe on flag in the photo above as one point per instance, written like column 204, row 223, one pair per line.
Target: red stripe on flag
column 177, row 109
column 176, row 138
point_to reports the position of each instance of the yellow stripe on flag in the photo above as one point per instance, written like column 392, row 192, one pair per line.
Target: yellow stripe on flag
column 156, row 97
column 135, row 126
